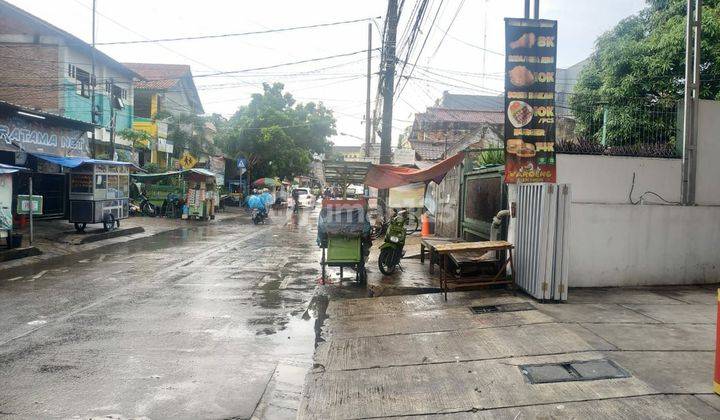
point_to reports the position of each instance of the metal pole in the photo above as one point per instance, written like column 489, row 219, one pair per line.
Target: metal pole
column 692, row 89
column 92, row 80
column 527, row 9
column 537, row 9
column 388, row 91
column 30, row 188
column 604, row 129
column 112, row 119
column 696, row 103
column 368, row 118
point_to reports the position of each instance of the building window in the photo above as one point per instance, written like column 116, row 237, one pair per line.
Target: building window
column 118, row 97
column 82, row 82
column 143, row 104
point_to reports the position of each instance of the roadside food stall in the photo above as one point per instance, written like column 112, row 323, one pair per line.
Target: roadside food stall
column 202, row 193
column 99, row 193
column 193, row 190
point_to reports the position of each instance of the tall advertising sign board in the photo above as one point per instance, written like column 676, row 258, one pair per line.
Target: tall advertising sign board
column 530, row 67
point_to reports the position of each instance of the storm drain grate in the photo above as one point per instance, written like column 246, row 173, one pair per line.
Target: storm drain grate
column 508, row 307
column 591, row 370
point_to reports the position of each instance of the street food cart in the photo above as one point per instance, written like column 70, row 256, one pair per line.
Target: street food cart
column 195, row 189
column 344, row 237
column 99, row 193
column 202, row 194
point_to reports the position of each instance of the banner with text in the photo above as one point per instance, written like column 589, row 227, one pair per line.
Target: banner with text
column 530, row 67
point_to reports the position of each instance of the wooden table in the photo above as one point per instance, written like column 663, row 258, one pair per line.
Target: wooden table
column 428, row 244
column 444, row 250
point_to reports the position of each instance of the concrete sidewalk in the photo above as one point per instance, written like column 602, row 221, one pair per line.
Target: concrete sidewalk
column 417, row 355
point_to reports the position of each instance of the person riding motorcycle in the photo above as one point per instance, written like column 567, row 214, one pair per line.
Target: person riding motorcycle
column 267, row 198
column 255, row 202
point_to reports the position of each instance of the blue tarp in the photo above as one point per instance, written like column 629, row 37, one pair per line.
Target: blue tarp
column 74, row 162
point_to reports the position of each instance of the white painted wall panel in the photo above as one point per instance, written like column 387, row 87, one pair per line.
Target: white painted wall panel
column 626, row 245
column 608, row 179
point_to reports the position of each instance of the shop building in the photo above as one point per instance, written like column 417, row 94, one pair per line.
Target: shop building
column 48, row 69
column 167, row 90
column 26, row 136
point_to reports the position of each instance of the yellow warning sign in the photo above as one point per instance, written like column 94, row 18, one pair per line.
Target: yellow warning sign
column 188, row 161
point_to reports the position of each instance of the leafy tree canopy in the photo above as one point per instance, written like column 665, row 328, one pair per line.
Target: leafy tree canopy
column 638, row 69
column 277, row 135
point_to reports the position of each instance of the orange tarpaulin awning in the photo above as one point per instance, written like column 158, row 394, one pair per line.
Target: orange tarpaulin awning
column 389, row 176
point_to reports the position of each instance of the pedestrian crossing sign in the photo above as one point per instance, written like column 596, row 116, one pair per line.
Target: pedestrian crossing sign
column 188, row 161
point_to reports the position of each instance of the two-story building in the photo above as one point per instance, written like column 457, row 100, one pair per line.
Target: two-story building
column 48, row 69
column 167, row 89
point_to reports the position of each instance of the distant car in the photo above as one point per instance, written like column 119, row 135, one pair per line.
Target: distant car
column 350, row 192
column 305, row 198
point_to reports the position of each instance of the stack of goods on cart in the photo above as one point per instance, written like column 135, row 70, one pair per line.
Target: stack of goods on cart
column 344, row 218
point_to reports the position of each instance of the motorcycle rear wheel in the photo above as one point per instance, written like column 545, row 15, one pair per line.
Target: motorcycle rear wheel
column 387, row 262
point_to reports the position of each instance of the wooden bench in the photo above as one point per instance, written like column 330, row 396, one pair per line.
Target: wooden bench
column 448, row 280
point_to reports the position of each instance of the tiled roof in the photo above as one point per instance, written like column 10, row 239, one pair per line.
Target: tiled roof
column 436, row 114
column 427, row 150
column 159, row 76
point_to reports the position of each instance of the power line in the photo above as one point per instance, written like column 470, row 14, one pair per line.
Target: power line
column 311, row 60
column 422, row 48
column 457, row 12
column 226, row 35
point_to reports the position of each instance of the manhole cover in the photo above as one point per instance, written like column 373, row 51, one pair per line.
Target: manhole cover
column 591, row 370
column 508, row 307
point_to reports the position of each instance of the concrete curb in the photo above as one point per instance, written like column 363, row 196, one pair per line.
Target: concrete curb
column 110, row 234
column 17, row 253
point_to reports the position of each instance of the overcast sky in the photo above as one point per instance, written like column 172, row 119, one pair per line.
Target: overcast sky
column 341, row 87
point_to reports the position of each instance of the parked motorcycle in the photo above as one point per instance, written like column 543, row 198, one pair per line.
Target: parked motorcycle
column 140, row 205
column 259, row 216
column 391, row 251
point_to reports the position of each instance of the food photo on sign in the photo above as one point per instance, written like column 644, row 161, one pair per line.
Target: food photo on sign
column 530, row 66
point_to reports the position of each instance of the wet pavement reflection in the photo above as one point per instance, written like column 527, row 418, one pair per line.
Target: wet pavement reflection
column 213, row 321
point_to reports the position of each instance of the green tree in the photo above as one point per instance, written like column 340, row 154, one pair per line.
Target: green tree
column 275, row 134
column 637, row 72
column 138, row 138
column 189, row 132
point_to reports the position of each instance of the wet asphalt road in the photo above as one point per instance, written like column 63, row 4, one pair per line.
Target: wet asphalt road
column 203, row 322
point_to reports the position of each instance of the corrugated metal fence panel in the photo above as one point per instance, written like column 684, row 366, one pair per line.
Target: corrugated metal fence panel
column 542, row 228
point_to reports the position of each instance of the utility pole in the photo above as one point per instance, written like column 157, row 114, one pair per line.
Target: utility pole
column 368, row 118
column 92, row 81
column 112, row 119
column 693, row 32
column 536, row 11
column 388, row 91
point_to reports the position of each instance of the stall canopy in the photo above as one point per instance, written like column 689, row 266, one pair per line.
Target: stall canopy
column 74, row 162
column 389, row 176
column 150, row 178
column 9, row 169
column 345, row 173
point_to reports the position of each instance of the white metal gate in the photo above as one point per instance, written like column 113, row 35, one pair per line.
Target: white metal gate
column 542, row 254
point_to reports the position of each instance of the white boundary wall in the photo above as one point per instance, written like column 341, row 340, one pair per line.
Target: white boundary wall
column 616, row 243
column 608, row 179
column 626, row 245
